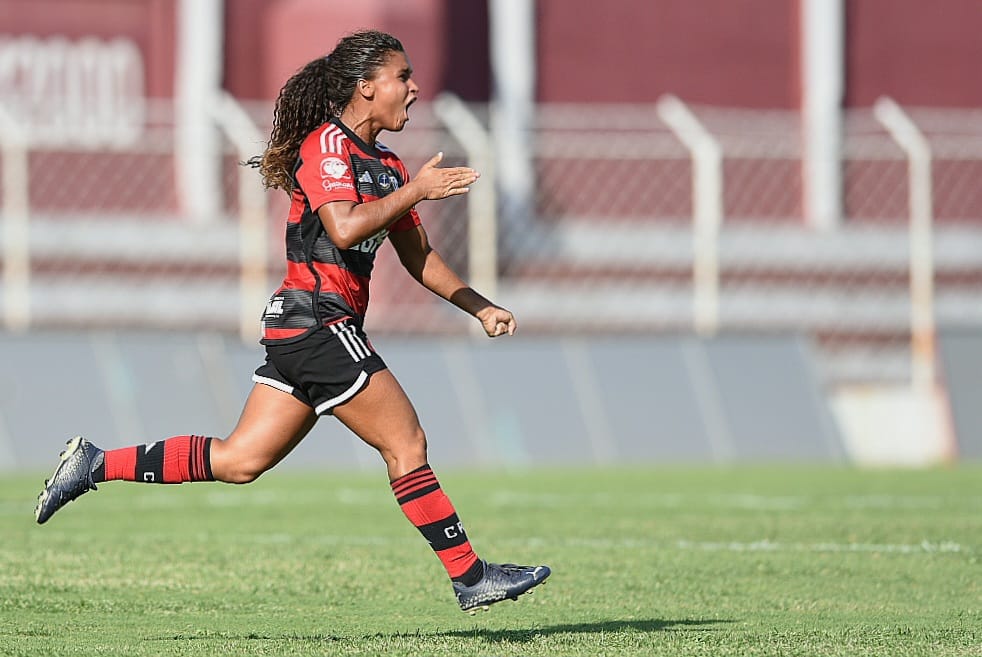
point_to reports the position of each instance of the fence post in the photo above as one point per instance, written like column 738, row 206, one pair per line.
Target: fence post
column 482, row 227
column 908, row 136
column 16, row 225
column 197, row 78
column 707, row 208
column 253, row 248
column 512, row 41
column 822, row 72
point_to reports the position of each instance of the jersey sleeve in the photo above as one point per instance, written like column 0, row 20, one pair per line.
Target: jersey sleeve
column 325, row 173
column 409, row 220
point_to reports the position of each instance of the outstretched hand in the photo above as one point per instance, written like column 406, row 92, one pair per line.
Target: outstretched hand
column 438, row 183
column 497, row 321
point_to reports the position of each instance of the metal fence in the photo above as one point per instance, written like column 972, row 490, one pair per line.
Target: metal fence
column 644, row 219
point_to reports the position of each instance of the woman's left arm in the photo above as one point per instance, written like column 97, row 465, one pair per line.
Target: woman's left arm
column 429, row 269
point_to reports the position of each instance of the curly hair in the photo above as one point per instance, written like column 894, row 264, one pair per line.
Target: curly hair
column 316, row 93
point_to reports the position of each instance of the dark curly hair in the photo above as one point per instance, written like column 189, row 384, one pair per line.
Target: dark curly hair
column 316, row 93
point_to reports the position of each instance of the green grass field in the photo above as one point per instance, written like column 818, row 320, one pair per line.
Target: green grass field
column 743, row 561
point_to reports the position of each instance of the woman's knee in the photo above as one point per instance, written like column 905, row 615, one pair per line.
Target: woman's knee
column 234, row 465
column 407, row 449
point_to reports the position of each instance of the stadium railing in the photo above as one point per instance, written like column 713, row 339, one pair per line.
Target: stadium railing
column 94, row 235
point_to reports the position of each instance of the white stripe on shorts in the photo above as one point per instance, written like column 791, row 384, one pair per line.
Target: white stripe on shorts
column 340, row 336
column 357, row 342
column 344, row 396
column 351, row 342
column 273, row 383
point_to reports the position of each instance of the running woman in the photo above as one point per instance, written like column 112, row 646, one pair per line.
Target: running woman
column 349, row 193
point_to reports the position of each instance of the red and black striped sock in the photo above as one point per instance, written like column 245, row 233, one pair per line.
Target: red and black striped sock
column 429, row 509
column 171, row 461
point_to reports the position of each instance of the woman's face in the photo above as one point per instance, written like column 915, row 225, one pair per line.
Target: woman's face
column 395, row 91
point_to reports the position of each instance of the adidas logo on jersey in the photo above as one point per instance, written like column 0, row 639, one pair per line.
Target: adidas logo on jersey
column 365, row 177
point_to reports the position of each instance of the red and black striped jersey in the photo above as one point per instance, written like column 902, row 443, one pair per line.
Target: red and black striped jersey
column 324, row 283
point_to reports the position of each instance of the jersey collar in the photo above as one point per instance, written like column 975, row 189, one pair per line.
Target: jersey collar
column 359, row 142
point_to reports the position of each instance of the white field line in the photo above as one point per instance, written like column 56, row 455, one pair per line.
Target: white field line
column 151, row 498
column 925, row 547
column 735, row 500
column 765, row 545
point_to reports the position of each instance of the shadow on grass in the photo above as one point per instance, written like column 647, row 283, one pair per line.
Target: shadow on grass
column 612, row 626
column 490, row 636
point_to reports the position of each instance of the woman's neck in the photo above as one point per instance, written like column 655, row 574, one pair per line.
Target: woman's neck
column 361, row 125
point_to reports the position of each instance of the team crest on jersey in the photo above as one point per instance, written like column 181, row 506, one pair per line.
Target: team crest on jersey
column 333, row 167
column 385, row 180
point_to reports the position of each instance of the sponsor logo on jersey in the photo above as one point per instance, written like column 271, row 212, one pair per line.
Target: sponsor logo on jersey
column 333, row 167
column 331, row 185
column 365, row 177
column 275, row 306
column 372, row 244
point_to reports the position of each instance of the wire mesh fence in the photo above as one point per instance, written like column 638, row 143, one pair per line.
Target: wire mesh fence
column 608, row 246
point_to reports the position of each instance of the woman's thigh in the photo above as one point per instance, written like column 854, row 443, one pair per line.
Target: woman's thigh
column 382, row 416
column 272, row 423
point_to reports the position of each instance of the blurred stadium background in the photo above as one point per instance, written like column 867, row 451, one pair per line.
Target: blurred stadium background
column 730, row 229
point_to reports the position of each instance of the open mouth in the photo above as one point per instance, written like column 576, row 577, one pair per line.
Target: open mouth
column 404, row 119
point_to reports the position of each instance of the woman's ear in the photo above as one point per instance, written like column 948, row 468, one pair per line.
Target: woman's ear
column 366, row 88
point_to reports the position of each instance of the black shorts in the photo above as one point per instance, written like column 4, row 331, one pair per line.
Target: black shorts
column 324, row 369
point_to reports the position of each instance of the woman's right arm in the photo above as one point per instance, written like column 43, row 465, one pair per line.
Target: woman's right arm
column 348, row 223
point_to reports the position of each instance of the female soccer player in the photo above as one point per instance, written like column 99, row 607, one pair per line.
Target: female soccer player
column 349, row 193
